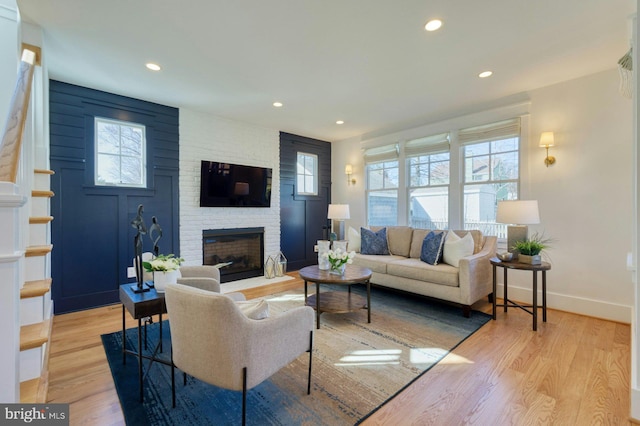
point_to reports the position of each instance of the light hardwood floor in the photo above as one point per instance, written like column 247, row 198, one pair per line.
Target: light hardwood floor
column 574, row 371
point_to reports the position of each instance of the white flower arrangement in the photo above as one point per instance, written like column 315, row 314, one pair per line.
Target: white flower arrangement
column 338, row 257
column 163, row 263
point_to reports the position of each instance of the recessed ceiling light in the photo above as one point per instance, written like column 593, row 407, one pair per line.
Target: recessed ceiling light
column 433, row 25
column 339, row 122
column 153, row 67
column 277, row 104
column 485, row 74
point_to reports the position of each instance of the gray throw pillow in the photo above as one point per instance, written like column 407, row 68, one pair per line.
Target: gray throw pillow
column 373, row 242
column 431, row 252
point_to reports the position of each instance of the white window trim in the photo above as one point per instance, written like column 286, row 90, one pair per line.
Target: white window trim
column 456, row 158
column 143, row 128
column 316, row 184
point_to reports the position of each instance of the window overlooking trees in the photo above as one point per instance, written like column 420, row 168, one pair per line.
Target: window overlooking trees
column 428, row 172
column 120, row 148
column 485, row 162
column 307, row 174
column 382, row 197
column 491, row 174
column 429, row 191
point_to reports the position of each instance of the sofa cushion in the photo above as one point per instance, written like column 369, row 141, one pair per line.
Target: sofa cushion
column 376, row 263
column 399, row 239
column 455, row 248
column 416, row 241
column 373, row 242
column 353, row 238
column 478, row 239
column 416, row 269
column 431, row 252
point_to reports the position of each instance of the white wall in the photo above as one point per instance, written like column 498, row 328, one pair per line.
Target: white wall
column 206, row 137
column 8, row 48
column 585, row 198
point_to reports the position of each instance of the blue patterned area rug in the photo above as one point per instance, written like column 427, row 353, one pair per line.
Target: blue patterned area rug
column 357, row 367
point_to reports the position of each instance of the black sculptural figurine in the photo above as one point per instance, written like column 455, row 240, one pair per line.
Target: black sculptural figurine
column 138, row 224
column 155, row 228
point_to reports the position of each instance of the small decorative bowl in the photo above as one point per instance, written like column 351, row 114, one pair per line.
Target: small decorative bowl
column 505, row 256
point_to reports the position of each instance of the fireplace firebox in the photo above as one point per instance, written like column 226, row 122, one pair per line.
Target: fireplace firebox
column 241, row 248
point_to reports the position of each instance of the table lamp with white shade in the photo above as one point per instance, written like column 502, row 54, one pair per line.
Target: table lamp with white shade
column 338, row 213
column 518, row 214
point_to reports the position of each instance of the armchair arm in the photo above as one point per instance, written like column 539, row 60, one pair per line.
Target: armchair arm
column 475, row 274
column 276, row 341
column 203, row 283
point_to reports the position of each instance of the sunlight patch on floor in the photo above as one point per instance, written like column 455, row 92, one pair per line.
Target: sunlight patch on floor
column 370, row 357
column 455, row 359
column 417, row 356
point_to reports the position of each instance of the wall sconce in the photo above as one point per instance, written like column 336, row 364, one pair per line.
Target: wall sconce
column 348, row 170
column 546, row 141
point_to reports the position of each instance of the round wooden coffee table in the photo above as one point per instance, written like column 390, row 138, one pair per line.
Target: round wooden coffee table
column 337, row 301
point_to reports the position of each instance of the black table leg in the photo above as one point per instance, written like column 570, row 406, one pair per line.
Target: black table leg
column 140, row 358
column 305, row 291
column 369, row 301
column 124, row 339
column 318, row 305
column 535, row 300
column 544, row 296
column 506, row 299
column 160, row 319
column 495, row 294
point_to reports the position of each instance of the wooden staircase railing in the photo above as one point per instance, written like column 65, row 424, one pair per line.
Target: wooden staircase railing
column 12, row 137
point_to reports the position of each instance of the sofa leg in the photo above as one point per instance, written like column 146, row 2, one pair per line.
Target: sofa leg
column 490, row 297
column 466, row 311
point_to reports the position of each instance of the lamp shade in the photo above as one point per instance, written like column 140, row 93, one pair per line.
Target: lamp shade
column 348, row 169
column 546, row 139
column 338, row 211
column 518, row 212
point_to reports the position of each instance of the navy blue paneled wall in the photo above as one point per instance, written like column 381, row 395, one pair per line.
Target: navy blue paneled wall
column 91, row 231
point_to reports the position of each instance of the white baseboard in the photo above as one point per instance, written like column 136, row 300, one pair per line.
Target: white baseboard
column 578, row 305
column 635, row 405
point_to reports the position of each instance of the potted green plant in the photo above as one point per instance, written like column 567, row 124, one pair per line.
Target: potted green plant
column 529, row 250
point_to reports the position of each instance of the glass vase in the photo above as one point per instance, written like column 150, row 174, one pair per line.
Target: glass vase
column 337, row 270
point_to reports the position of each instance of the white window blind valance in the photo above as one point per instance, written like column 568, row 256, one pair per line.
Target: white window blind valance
column 427, row 145
column 500, row 130
column 381, row 153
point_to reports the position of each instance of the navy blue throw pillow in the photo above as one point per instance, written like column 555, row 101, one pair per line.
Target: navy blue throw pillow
column 432, row 244
column 373, row 242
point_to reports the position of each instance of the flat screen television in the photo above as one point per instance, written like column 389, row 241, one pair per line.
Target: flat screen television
column 234, row 185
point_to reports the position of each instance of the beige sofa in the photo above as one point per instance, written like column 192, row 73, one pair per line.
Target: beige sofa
column 402, row 269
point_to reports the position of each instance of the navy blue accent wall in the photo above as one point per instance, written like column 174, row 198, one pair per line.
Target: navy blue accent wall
column 91, row 232
column 303, row 219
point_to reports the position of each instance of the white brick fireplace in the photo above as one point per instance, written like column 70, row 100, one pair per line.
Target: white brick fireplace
column 206, row 137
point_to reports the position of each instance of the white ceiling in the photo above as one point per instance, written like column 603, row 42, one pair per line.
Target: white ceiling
column 367, row 62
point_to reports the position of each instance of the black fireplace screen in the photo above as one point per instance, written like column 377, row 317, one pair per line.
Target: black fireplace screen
column 238, row 251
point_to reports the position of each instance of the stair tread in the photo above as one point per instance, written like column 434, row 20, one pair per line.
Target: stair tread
column 40, row 219
column 34, row 335
column 44, row 171
column 42, row 193
column 29, row 390
column 35, row 288
column 38, row 250
column 34, row 391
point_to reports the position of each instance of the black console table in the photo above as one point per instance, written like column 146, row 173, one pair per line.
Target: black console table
column 141, row 305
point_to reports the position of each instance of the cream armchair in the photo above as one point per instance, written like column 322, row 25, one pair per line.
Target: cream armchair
column 204, row 277
column 243, row 352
